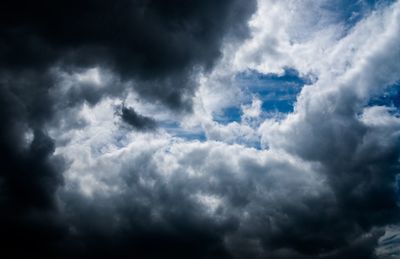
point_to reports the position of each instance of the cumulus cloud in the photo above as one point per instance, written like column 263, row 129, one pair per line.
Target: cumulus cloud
column 77, row 182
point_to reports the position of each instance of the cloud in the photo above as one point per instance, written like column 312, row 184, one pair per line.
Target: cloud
column 58, row 57
column 166, row 186
column 318, row 182
column 137, row 121
column 157, row 44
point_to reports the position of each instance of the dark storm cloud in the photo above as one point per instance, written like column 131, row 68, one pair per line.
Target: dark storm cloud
column 136, row 120
column 158, row 43
column 29, row 173
column 156, row 46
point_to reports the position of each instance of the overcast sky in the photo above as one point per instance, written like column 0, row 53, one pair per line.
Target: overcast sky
column 201, row 129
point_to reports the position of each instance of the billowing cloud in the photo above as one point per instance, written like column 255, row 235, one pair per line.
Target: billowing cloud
column 135, row 130
column 157, row 43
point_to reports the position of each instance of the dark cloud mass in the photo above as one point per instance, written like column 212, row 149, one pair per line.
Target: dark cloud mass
column 156, row 44
column 137, row 121
column 328, row 192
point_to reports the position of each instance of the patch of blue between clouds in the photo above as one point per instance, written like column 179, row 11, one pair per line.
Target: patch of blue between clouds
column 278, row 92
column 174, row 129
column 389, row 98
column 229, row 114
column 351, row 12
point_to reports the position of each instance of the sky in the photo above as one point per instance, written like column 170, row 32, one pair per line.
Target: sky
column 200, row 129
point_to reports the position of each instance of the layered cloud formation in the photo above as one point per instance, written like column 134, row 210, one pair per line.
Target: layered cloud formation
column 200, row 129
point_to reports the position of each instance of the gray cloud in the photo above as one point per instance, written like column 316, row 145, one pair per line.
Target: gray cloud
column 325, row 188
column 157, row 43
column 137, row 121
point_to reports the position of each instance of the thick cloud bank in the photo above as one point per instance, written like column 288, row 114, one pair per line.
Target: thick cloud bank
column 112, row 143
column 158, row 43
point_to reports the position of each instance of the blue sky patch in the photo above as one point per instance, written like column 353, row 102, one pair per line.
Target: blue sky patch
column 352, row 11
column 390, row 97
column 229, row 114
column 278, row 93
column 175, row 129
